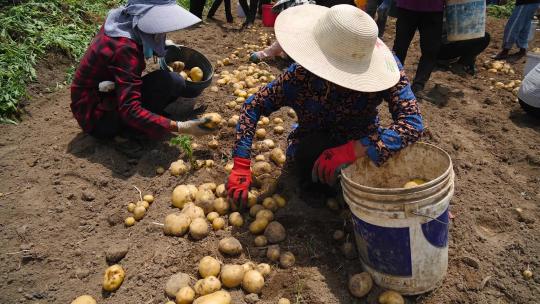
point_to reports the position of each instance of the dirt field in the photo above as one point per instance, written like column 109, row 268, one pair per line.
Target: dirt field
column 64, row 199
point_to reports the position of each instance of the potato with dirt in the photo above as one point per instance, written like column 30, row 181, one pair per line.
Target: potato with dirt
column 218, row 297
column 209, row 266
column 236, row 219
column 230, row 246
column 198, row 229
column 273, row 253
column 232, row 275
column 258, row 226
column 182, row 195
column 207, row 285
column 253, row 282
column 264, row 269
column 176, row 224
column 360, row 284
column 176, row 282
column 287, row 260
column 391, row 297
column 214, row 120
column 178, row 168
column 84, row 299
column 113, row 278
column 192, row 211
column 275, row 232
column 205, row 199
column 185, row 295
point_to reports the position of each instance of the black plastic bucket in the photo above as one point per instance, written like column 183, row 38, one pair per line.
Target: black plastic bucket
column 191, row 58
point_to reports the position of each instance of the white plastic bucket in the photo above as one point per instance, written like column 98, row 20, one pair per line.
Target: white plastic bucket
column 532, row 60
column 465, row 19
column 402, row 234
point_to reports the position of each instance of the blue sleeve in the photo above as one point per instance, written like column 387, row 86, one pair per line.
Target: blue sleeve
column 268, row 99
column 407, row 126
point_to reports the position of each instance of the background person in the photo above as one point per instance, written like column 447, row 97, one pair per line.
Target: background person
column 517, row 28
column 335, row 91
column 529, row 92
column 117, row 55
column 426, row 16
column 463, row 53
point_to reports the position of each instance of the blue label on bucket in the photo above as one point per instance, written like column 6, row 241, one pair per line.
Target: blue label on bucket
column 384, row 249
column 436, row 231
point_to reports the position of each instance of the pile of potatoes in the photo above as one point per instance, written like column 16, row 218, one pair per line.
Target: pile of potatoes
column 138, row 209
column 194, row 74
column 499, row 67
column 360, row 285
column 511, row 86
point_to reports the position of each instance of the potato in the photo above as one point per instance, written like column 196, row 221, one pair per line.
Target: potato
column 360, row 284
column 218, row 223
column 213, row 144
column 176, row 282
column 270, row 204
column 284, row 301
column 273, row 253
column 253, row 195
column 185, row 295
column 253, row 281
column 269, row 143
column 265, row 120
column 181, row 195
column 233, row 121
column 178, row 168
column 277, row 120
column 129, row 221
column 275, row 232
column 198, row 229
column 236, row 219
column 176, row 224
column 221, row 191
column 160, row 170
column 265, row 214
column 215, row 120
column 332, row 204
column 230, row 246
column 264, row 269
column 138, row 212
column 280, row 200
column 209, row 266
column 84, row 299
column 260, row 158
column 207, row 186
column 218, row 297
column 391, row 297
column 260, row 133
column 207, row 285
column 261, row 167
column 277, row 156
column 260, row 241
column 196, row 74
column 291, row 113
column 148, row 198
column 338, row 235
column 414, row 183
column 279, row 130
column 131, row 207
column 349, row 251
column 113, row 278
column 527, row 274
column 255, row 209
column 193, row 211
column 249, row 266
column 145, row 204
column 287, row 260
column 178, row 66
column 258, row 226
column 212, row 216
column 221, row 205
column 232, row 275
column 205, row 199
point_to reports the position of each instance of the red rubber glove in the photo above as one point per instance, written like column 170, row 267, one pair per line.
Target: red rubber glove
column 331, row 161
column 238, row 182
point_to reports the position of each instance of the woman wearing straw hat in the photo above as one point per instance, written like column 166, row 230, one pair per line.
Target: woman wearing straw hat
column 342, row 74
column 108, row 94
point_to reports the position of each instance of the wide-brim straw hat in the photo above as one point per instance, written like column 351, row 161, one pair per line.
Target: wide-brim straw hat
column 339, row 44
column 166, row 18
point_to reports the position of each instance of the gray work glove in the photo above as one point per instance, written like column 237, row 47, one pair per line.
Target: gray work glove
column 195, row 127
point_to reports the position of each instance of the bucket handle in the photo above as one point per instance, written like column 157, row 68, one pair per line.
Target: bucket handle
column 430, row 217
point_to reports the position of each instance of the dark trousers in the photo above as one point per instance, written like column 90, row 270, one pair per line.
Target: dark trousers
column 216, row 5
column 429, row 24
column 250, row 10
column 530, row 109
column 196, row 7
column 466, row 50
column 159, row 89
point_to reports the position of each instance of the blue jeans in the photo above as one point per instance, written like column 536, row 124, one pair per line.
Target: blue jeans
column 518, row 26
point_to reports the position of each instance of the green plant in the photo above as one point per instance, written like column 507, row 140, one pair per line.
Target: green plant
column 184, row 143
column 501, row 11
column 32, row 28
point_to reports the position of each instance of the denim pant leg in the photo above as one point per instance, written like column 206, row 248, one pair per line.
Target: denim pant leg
column 523, row 36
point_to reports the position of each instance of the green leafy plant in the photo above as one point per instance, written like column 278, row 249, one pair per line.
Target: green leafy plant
column 184, row 143
column 501, row 11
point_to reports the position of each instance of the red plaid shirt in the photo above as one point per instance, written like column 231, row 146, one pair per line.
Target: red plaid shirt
column 119, row 60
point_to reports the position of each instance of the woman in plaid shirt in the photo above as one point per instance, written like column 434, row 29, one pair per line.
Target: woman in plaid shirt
column 116, row 58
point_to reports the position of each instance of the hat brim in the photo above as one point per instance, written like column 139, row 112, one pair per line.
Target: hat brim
column 165, row 19
column 374, row 72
